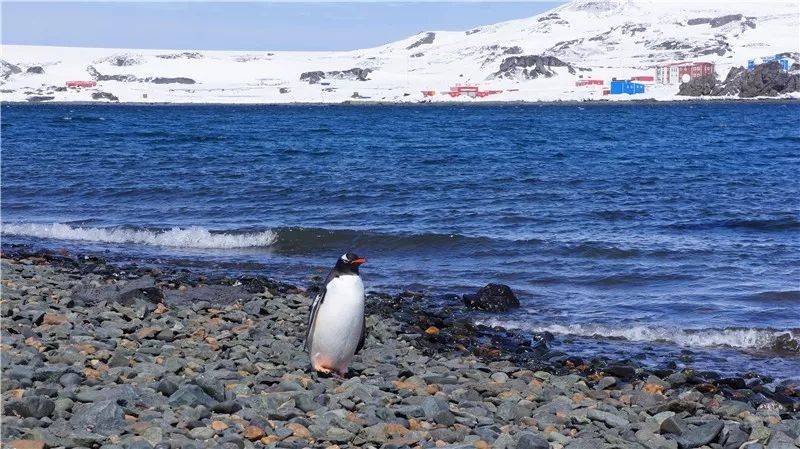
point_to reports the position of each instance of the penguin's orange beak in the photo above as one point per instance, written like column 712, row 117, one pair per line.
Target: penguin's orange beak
column 359, row 261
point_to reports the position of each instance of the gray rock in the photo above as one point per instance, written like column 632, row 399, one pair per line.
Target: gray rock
column 103, row 417
column 674, row 425
column 528, row 440
column 70, row 380
column 30, row 407
column 608, row 418
column 191, row 395
column 700, row 435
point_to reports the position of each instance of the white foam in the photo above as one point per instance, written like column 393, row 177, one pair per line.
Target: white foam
column 191, row 237
column 742, row 338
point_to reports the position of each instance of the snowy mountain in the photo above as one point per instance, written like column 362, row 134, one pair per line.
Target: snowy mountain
column 534, row 59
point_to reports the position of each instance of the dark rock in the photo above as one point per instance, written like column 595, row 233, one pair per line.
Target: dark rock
column 492, row 298
column 30, row 407
column 767, row 79
column 176, row 80
column 226, row 407
column 700, row 435
column 7, row 69
column 427, row 39
column 70, row 380
column 621, row 371
column 312, row 77
column 698, row 86
column 673, row 425
column 166, row 387
column 211, row 386
column 530, row 67
column 191, row 395
column 104, row 96
column 723, row 20
column 103, row 417
column 528, row 440
column 40, row 98
column 35, row 69
column 355, row 74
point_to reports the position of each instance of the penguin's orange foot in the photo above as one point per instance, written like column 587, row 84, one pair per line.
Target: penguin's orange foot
column 321, row 369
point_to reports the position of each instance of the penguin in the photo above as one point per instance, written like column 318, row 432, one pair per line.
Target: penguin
column 336, row 322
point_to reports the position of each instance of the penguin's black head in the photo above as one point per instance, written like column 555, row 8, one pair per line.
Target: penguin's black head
column 349, row 263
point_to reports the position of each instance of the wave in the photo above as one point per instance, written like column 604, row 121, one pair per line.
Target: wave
column 787, row 223
column 191, row 237
column 734, row 337
column 80, row 119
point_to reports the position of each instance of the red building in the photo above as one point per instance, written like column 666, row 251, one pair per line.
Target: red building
column 643, row 78
column 81, row 83
column 588, row 82
column 470, row 91
column 683, row 72
column 428, row 93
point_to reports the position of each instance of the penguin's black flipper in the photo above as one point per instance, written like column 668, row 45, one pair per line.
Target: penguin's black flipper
column 363, row 334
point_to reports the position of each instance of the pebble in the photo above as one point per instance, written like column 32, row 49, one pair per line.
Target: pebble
column 170, row 361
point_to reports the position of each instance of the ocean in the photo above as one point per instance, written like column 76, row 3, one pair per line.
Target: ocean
column 662, row 233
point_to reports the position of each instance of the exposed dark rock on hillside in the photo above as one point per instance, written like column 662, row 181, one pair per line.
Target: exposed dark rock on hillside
column 428, row 39
column 104, row 96
column 127, row 78
column 7, row 69
column 35, row 69
column 312, row 77
column 767, row 80
column 178, row 80
column 40, row 98
column 355, row 74
column 530, row 67
column 181, row 55
column 121, row 60
column 698, row 86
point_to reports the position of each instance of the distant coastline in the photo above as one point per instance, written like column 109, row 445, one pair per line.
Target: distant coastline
column 643, row 102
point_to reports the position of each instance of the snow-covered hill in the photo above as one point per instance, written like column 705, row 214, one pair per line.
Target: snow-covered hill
column 534, row 59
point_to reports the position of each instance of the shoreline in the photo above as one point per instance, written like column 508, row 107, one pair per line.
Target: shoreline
column 602, row 102
column 85, row 340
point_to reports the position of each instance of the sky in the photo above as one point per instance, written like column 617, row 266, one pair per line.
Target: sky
column 288, row 25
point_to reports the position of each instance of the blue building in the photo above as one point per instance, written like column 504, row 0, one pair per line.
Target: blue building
column 626, row 87
column 784, row 62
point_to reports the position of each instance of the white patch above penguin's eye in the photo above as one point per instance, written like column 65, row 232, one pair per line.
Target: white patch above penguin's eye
column 344, row 258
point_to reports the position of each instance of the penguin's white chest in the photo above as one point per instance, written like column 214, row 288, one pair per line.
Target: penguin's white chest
column 338, row 323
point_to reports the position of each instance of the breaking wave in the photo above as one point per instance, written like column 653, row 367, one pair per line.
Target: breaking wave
column 735, row 337
column 191, row 237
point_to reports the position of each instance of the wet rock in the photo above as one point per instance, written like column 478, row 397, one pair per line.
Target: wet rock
column 492, row 298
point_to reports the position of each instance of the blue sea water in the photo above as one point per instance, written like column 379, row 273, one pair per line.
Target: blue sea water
column 658, row 232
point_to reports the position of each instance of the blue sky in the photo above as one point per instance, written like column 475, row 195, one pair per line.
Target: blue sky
column 245, row 26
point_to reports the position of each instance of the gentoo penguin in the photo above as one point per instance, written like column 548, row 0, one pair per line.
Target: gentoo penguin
column 336, row 325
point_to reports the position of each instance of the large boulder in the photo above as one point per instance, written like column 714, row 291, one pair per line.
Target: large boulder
column 702, row 85
column 764, row 80
column 492, row 298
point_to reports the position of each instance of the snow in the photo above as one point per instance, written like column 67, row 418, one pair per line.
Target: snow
column 599, row 38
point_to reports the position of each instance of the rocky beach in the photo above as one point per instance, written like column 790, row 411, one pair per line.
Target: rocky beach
column 107, row 356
